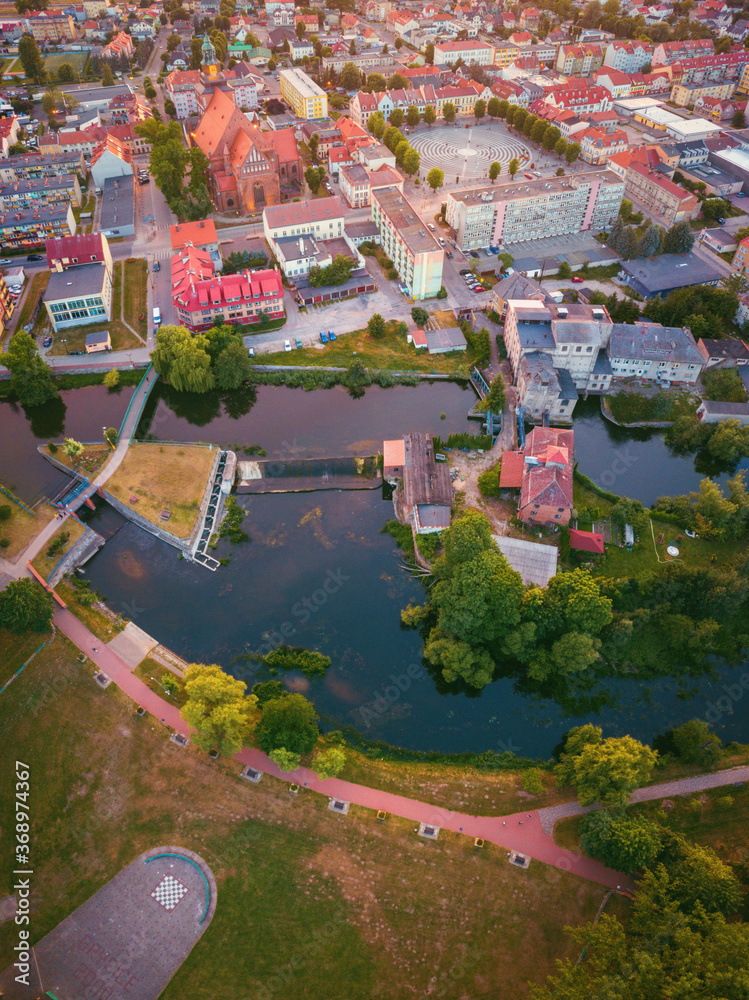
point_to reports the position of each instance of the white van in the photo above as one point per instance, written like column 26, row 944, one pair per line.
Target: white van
column 156, row 316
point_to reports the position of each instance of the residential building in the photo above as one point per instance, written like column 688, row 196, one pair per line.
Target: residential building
column 78, row 296
column 201, row 235
column 47, row 190
column 31, row 227
column 117, row 208
column 546, row 487
column 205, row 302
column 322, row 218
column 597, row 145
column 659, row 195
column 728, row 353
column 181, row 87
column 51, row 27
column 472, row 53
column 307, row 100
column 300, row 49
column 514, row 286
column 668, row 53
column 120, row 47
column 579, row 60
column 651, row 351
column 76, row 251
column 110, row 159
column 628, row 56
column 6, row 304
column 741, row 257
column 34, row 165
column 505, row 54
column 354, row 183
column 687, row 95
column 416, row 254
column 513, row 212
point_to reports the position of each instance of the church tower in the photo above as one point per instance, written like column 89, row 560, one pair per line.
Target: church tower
column 209, row 62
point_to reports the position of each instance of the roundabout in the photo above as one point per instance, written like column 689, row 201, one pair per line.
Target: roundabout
column 468, row 153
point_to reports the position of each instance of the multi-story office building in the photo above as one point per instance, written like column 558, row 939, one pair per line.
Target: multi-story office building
column 416, row 254
column 510, row 213
column 78, row 296
column 303, row 94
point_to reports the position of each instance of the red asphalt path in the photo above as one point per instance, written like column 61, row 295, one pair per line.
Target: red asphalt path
column 518, row 831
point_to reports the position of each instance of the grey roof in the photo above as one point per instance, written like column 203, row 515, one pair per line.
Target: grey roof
column 31, row 185
column 359, row 230
column 118, row 203
column 671, row 270
column 12, row 217
column 728, row 348
column 374, row 152
column 100, row 337
column 653, row 342
column 602, row 365
column 516, row 286
column 451, row 338
column 567, row 388
column 99, row 95
column 727, row 410
column 537, row 365
column 84, row 280
column 431, row 516
column 575, row 331
column 299, row 247
column 355, row 174
column 535, row 563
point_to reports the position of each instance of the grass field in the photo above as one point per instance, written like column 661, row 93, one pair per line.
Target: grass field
column 44, row 563
column 164, row 477
column 309, row 904
column 78, row 60
column 392, row 353
column 88, row 462
column 136, row 295
column 21, row 527
column 38, row 285
column 16, row 650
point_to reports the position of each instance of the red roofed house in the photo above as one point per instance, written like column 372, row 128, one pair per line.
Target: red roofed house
column 204, row 302
column 511, row 470
column 111, row 158
column 76, row 251
column 201, row 235
column 546, row 490
column 586, row 541
column 8, row 135
column 121, row 45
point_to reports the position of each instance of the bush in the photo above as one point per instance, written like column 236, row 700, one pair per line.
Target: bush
column 488, row 480
column 442, row 293
column 5, row 512
column 532, row 782
column 308, row 662
column 52, row 447
column 392, row 274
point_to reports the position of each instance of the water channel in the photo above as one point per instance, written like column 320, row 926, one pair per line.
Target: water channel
column 320, row 564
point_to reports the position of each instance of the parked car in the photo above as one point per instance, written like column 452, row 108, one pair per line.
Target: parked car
column 529, row 176
column 431, row 227
column 577, row 280
column 721, row 222
column 474, row 255
column 323, row 337
column 34, row 256
column 252, row 352
column 479, row 288
column 287, row 345
column 331, row 335
column 441, row 241
column 47, row 341
column 464, row 271
column 156, row 267
column 298, row 342
column 449, row 255
column 494, row 250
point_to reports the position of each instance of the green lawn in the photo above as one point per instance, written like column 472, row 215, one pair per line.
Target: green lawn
column 16, row 650
column 620, row 562
column 78, row 61
column 391, row 353
column 309, row 904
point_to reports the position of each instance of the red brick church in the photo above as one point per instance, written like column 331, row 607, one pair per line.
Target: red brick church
column 247, row 168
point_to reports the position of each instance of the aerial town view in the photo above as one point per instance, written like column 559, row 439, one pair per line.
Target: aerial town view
column 374, row 500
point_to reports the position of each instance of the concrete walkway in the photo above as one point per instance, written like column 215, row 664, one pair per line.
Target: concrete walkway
column 528, row 833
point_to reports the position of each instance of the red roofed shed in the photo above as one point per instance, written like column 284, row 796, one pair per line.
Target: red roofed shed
column 511, row 471
column 586, row 541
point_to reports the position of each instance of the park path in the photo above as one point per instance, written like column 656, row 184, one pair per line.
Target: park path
column 529, row 833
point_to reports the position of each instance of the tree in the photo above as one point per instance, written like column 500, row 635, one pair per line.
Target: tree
column 571, row 654
column 739, row 119
column 73, row 449
column 650, row 244
column 25, row 607
column 217, row 708
column 605, row 772
column 459, row 659
column 399, row 43
column 435, row 178
column 182, row 359
column 337, row 272
column 496, row 398
column 479, row 110
column 398, row 82
column 699, row 879
column 289, row 722
column 574, row 603
column 513, row 166
column 349, row 79
column 328, row 763
column 550, row 138
column 112, row 379
column 413, row 117
column 624, row 843
column 396, row 117
column 429, row 53
column 495, row 169
column 695, row 743
column 376, row 83
column 678, row 239
column 376, row 326
column 285, row 759
column 411, row 162
column 233, row 366
column 419, row 316
column 430, row 115
column 314, row 178
column 31, row 59
column 449, row 112
column 314, row 143
column 301, row 30
column 30, row 376
column 65, row 73
column 492, row 107
column 572, row 152
column 539, row 130
column 560, row 147
column 565, row 271
column 401, row 150
column 632, row 512
column 376, row 124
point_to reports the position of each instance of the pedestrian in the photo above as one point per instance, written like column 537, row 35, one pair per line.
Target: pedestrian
column 503, row 823
column 95, row 649
column 520, row 822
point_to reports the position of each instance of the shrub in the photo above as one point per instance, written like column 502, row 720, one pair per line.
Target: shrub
column 5, row 512
column 442, row 293
column 52, row 447
column 308, row 662
column 532, row 782
column 392, row 274
column 488, row 480
column 4, row 543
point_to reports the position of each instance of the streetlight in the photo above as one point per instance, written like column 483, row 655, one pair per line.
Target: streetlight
column 162, row 687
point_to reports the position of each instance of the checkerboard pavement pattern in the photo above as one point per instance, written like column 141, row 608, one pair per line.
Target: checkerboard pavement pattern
column 169, row 892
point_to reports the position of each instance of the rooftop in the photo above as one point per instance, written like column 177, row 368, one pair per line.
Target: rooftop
column 535, row 563
column 651, row 341
column 301, row 82
column 304, row 212
column 514, row 191
column 671, row 270
column 405, row 220
column 117, row 203
column 194, row 233
column 425, row 481
column 85, row 280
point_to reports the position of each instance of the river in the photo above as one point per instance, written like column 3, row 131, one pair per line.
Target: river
column 320, row 564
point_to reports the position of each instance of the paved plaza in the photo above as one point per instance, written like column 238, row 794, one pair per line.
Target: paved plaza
column 126, row 941
column 468, row 152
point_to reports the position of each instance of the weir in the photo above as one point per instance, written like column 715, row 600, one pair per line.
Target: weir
column 302, row 474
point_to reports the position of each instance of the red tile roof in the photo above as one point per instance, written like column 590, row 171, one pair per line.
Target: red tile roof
column 195, row 234
column 586, row 541
column 511, row 471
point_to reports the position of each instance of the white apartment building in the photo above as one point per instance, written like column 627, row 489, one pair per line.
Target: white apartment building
column 628, row 57
column 530, row 210
column 323, row 219
column 472, row 53
column 649, row 350
column 416, row 254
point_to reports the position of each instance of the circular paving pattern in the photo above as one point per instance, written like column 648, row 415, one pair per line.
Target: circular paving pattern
column 467, row 153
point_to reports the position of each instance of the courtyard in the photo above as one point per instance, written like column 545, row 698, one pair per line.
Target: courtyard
column 466, row 150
